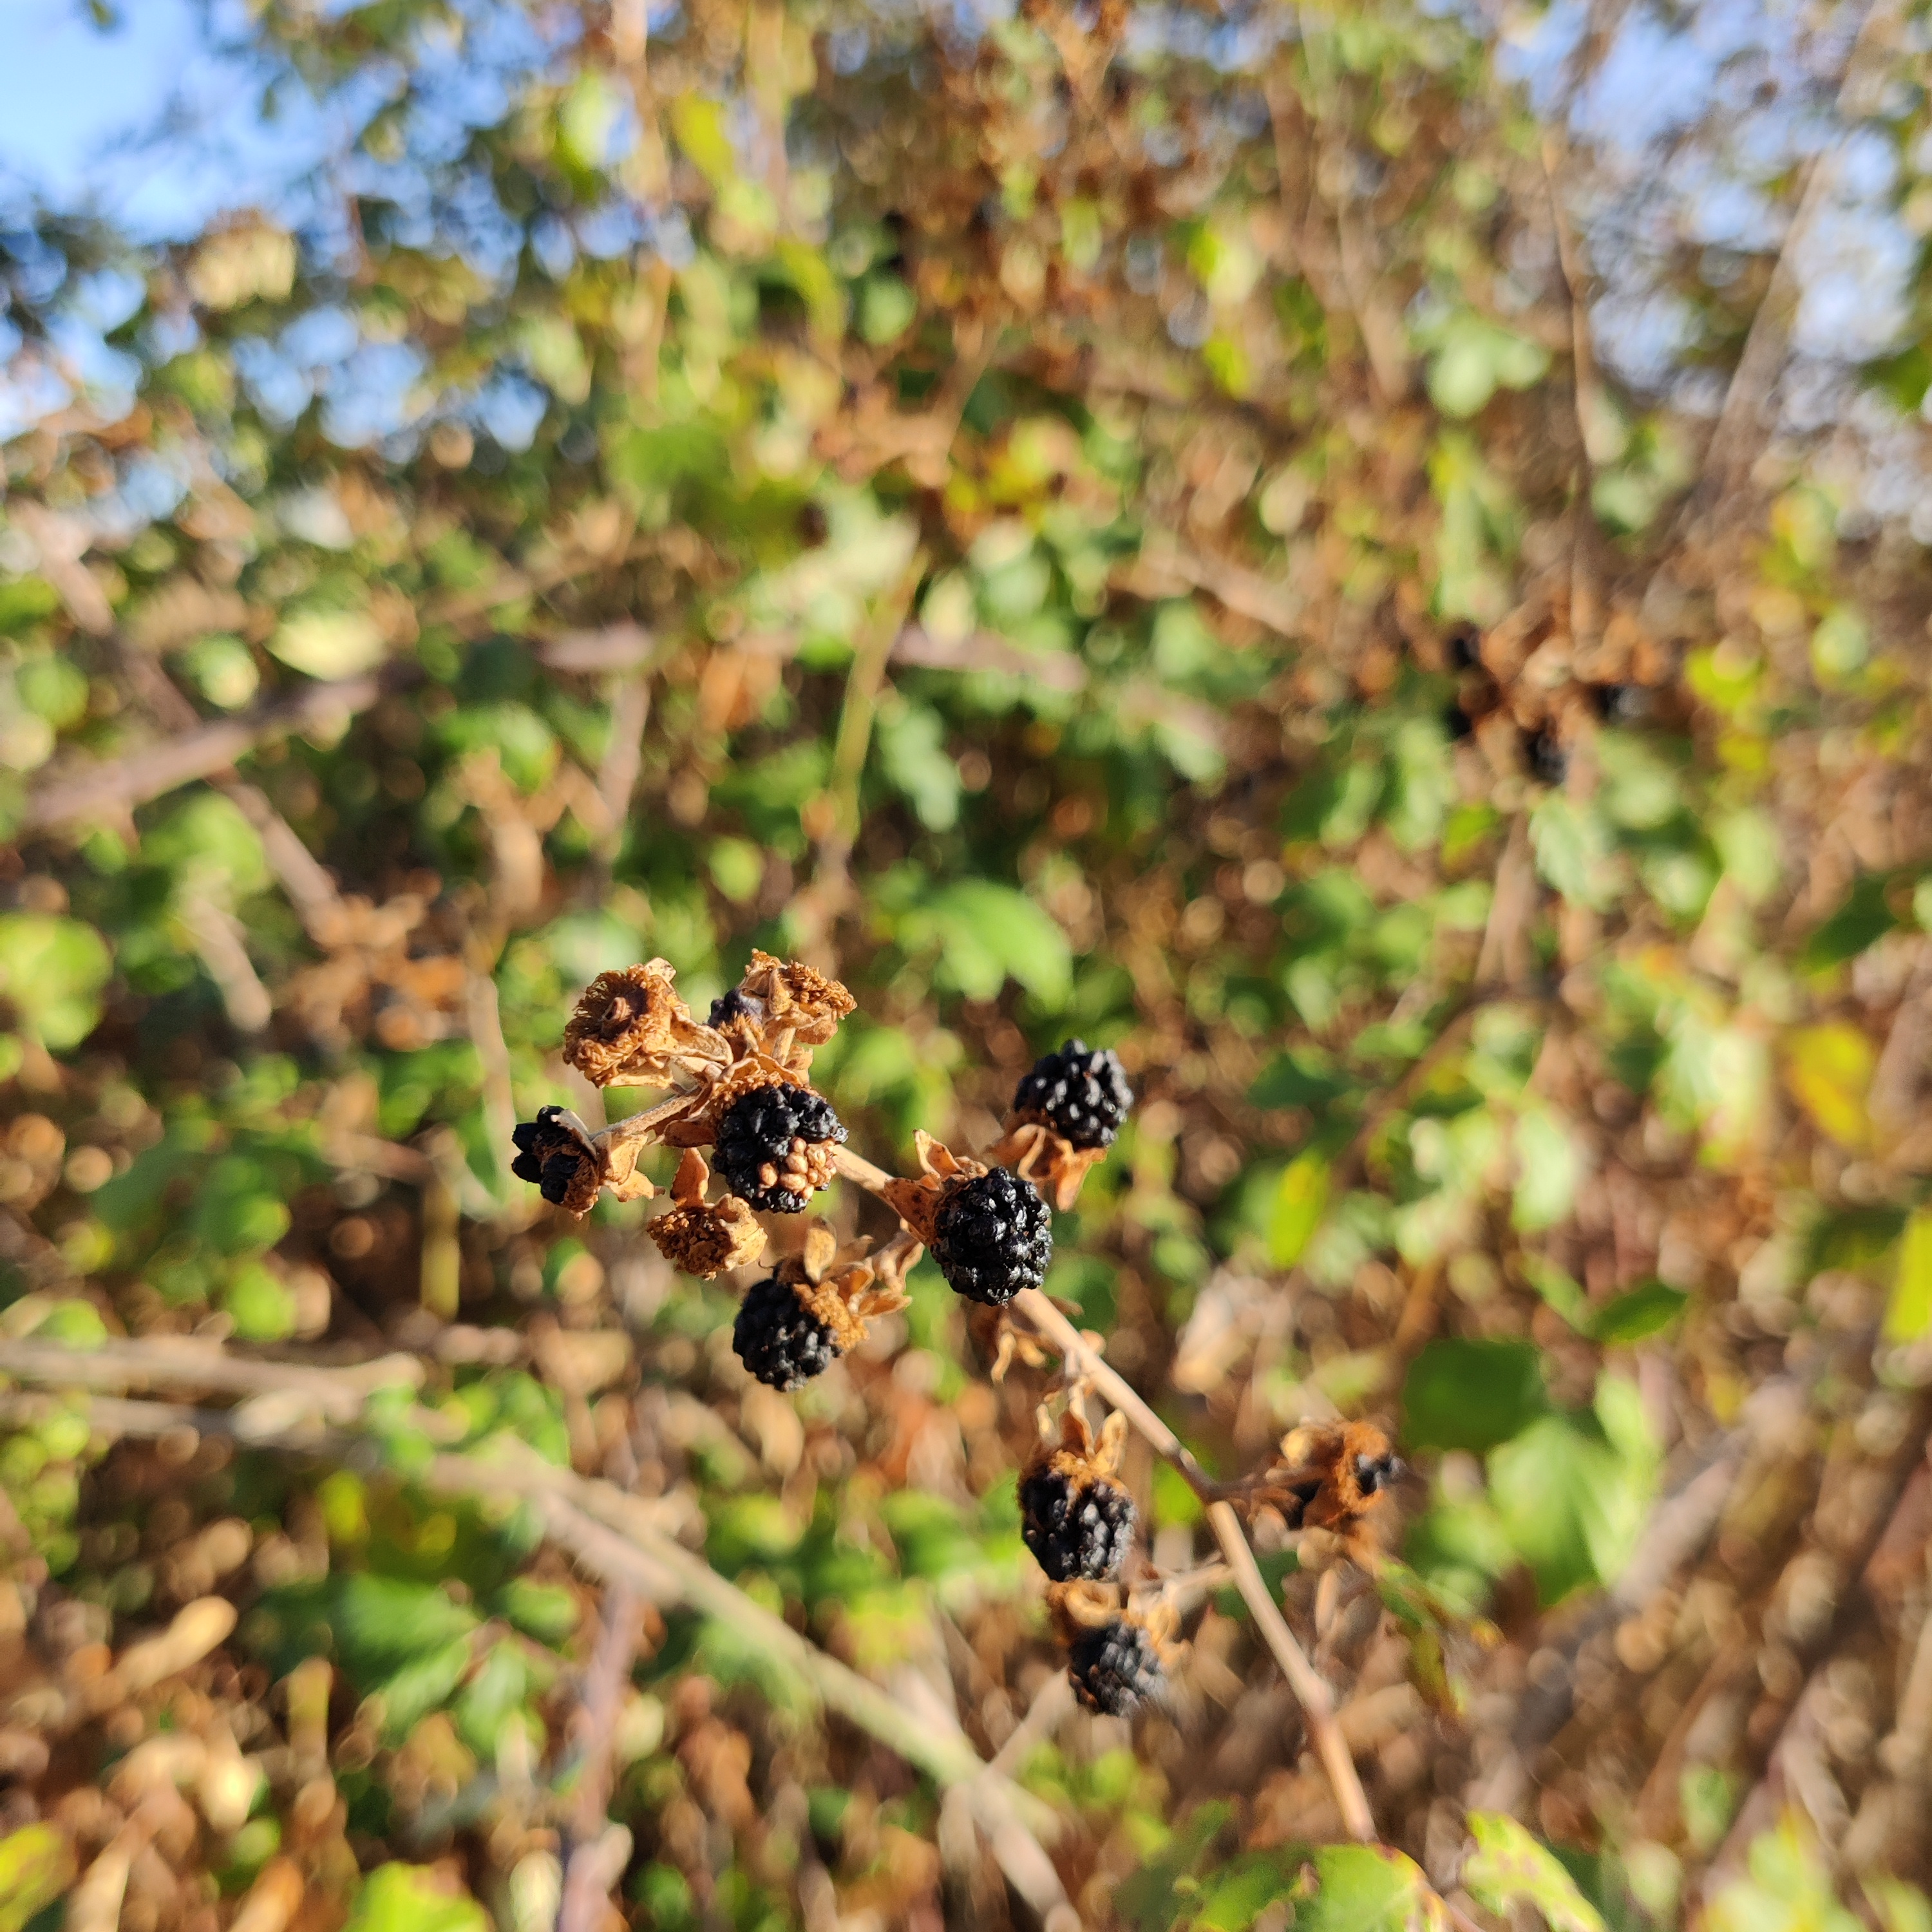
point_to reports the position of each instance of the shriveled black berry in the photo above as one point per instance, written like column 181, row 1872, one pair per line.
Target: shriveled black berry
column 779, row 1339
column 1375, row 1473
column 993, row 1236
column 1114, row 1667
column 1465, row 645
column 1075, row 1527
column 1083, row 1096
column 1549, row 756
column 734, row 1005
column 774, row 1146
column 554, row 1152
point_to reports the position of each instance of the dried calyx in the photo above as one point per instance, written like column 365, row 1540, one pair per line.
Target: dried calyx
column 1332, row 1477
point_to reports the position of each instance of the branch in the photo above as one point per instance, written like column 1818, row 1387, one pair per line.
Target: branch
column 1081, row 1357
column 585, row 1892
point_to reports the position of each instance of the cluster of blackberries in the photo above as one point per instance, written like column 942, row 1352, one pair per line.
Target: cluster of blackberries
column 774, row 1148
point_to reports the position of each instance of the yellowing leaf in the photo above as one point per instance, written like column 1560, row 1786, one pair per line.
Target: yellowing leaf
column 328, row 644
column 1908, row 1314
column 1828, row 1071
column 1301, row 1200
column 699, row 125
column 36, row 1867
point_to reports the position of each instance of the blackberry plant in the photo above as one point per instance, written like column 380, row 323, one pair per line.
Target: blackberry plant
column 739, row 1084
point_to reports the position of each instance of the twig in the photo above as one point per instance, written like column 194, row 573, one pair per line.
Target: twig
column 115, row 788
column 161, row 1362
column 585, row 1892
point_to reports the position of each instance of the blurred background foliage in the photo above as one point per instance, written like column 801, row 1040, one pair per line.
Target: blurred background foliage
column 1370, row 560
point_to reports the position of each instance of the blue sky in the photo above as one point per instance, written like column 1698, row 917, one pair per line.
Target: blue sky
column 75, row 100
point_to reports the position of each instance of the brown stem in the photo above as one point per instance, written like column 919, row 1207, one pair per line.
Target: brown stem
column 1079, row 1355
column 585, row 1894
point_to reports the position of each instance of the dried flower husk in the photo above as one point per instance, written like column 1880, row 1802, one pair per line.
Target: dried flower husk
column 1332, row 1477
column 843, row 1286
column 631, row 1029
column 790, row 996
column 915, row 1201
column 556, row 1152
column 705, row 1238
column 1049, row 1160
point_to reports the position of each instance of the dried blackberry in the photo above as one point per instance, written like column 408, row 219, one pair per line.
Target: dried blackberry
column 1077, row 1524
column 1549, row 756
column 779, row 1339
column 992, row 1235
column 1114, row 1667
column 734, row 1006
column 1464, row 644
column 774, row 1148
column 1082, row 1095
column 1619, row 703
column 1374, row 1473
column 554, row 1151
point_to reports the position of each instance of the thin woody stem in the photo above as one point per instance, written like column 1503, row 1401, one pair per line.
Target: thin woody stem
column 1080, row 1356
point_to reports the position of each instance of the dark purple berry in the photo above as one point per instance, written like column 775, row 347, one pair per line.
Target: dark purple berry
column 1076, row 1526
column 554, row 1152
column 1082, row 1095
column 1114, row 1668
column 779, row 1339
column 993, row 1236
column 775, row 1145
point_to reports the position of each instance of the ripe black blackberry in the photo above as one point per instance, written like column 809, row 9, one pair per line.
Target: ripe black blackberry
column 992, row 1236
column 1082, row 1095
column 774, row 1149
column 1077, row 1524
column 1114, row 1667
column 779, row 1339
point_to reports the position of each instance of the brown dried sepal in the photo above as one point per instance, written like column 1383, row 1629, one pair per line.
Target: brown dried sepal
column 704, row 1237
column 1080, row 1454
column 842, row 1286
column 793, row 997
column 1331, row 1477
column 915, row 1200
column 631, row 1029
column 1053, row 1164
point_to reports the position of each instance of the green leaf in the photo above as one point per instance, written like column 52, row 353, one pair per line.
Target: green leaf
column 1642, row 1311
column 388, row 1619
column 1788, row 1888
column 52, row 970
column 1301, row 1200
column 545, row 1611
column 329, row 643
column 36, row 1865
column 1369, row 1888
column 1864, row 917
column 1509, row 1867
column 414, row 1898
column 1471, row 1394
